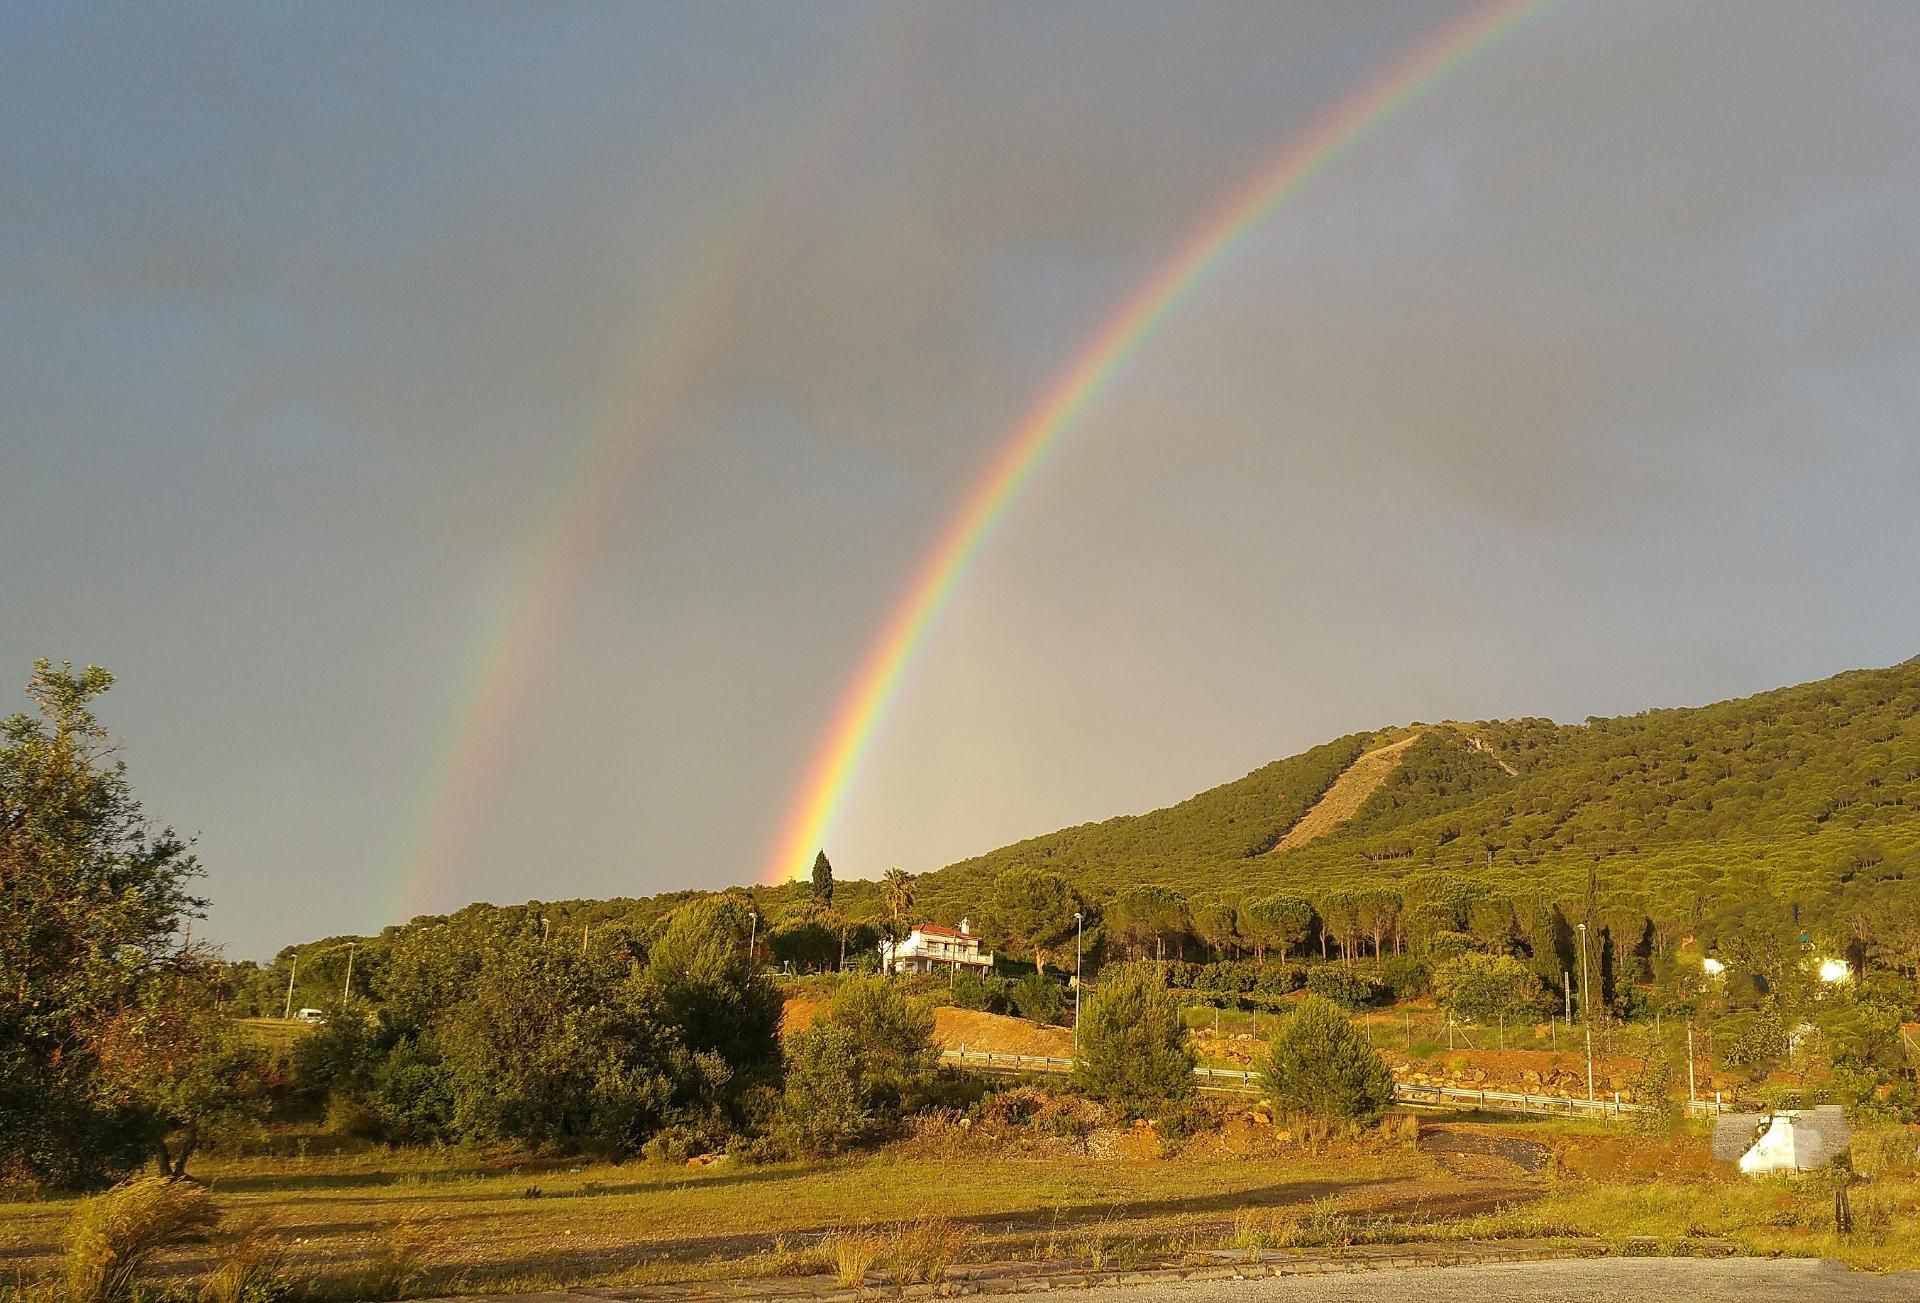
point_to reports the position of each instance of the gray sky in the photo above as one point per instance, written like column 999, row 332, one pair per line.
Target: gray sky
column 1585, row 384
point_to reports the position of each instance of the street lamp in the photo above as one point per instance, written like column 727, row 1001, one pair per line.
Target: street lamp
column 1586, row 1010
column 1078, row 921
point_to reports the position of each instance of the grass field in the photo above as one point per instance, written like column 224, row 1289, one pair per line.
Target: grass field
column 499, row 1220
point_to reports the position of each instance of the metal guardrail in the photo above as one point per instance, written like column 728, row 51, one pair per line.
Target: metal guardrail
column 1241, row 1080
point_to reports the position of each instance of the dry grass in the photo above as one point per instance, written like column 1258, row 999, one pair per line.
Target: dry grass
column 249, row 1262
column 406, row 1251
column 1349, row 792
column 116, row 1236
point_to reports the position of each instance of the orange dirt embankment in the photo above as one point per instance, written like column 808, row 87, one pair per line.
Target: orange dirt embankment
column 1349, row 792
column 953, row 1028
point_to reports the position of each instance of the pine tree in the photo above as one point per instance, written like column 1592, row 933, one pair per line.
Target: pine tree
column 823, row 878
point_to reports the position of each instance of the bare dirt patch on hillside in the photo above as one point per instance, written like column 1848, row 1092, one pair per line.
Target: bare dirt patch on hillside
column 953, row 1028
column 1348, row 793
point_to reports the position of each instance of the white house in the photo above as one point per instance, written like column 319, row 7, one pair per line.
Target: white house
column 930, row 948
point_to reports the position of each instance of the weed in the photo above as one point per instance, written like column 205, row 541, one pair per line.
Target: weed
column 853, row 1254
column 117, row 1235
column 405, row 1254
column 249, row 1263
column 921, row 1252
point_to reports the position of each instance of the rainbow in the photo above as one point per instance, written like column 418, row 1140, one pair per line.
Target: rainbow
column 836, row 760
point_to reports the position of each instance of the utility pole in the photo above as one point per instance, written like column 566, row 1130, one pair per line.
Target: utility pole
column 1567, row 977
column 1690, row 1093
column 346, row 987
column 753, row 933
column 287, row 1012
column 585, row 933
column 1586, row 1009
column 1079, row 922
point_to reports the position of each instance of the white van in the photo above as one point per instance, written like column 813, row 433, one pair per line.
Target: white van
column 309, row 1016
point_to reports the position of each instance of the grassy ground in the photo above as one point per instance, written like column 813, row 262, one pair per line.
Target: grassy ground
column 499, row 1220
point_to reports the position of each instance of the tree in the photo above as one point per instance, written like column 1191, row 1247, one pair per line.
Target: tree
column 1486, row 988
column 1321, row 1066
column 806, row 935
column 1033, row 910
column 91, row 902
column 823, row 878
column 897, row 886
column 1216, row 923
column 559, row 1049
column 1147, row 914
column 1133, row 1049
column 859, row 1067
column 1282, row 921
column 715, row 996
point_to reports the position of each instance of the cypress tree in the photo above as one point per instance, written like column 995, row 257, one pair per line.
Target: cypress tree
column 823, row 878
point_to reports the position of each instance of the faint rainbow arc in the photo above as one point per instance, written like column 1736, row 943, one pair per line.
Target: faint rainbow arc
column 835, row 761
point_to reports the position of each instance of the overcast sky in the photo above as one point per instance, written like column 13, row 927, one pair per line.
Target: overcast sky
column 1585, row 384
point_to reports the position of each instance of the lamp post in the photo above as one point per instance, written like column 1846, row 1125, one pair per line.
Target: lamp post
column 1586, row 1009
column 1078, row 927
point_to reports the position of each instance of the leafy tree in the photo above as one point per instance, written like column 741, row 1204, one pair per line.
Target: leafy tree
column 1280, row 921
column 1033, row 910
column 1342, row 986
column 1216, row 923
column 559, row 1049
column 1146, row 915
column 91, row 901
column 807, row 935
column 713, row 993
column 823, row 878
column 1133, row 1048
column 863, row 1062
column 1485, row 988
column 1040, row 999
column 1319, row 1065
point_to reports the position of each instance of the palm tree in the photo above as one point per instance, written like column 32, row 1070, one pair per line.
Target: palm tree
column 898, row 885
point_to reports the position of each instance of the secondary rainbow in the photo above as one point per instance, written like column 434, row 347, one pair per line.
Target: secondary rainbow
column 836, row 760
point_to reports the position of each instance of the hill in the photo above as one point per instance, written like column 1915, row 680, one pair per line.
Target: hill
column 1802, row 793
column 1649, row 825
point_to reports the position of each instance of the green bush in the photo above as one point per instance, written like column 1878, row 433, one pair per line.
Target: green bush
column 983, row 994
column 1040, row 999
column 1133, row 1049
column 1341, row 985
column 865, row 1061
column 1405, row 977
column 1321, row 1066
column 1486, row 988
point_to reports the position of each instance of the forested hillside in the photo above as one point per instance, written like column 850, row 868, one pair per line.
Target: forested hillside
column 1652, row 827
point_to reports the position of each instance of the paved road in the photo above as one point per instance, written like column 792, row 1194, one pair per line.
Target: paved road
column 1604, row 1280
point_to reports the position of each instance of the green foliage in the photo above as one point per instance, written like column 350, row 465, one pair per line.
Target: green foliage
column 560, row 1050
column 823, row 878
column 1132, row 1048
column 1321, row 1066
column 1031, row 912
column 806, row 935
column 91, row 899
column 983, row 994
column 864, row 1061
column 1280, row 922
column 1342, row 986
column 1040, row 999
column 713, row 994
column 1145, row 918
column 1485, row 988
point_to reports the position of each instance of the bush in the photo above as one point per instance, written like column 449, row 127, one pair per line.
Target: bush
column 1133, row 1048
column 986, row 994
column 864, row 1062
column 1040, row 1000
column 1485, row 988
column 1321, row 1066
column 1404, row 977
column 117, row 1234
column 1342, row 986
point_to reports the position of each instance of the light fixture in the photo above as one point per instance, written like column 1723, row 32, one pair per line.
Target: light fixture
column 1835, row 970
column 1712, row 967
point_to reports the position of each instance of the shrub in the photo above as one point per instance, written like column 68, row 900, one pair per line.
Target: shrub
column 1133, row 1048
column 117, row 1234
column 1321, row 1066
column 1404, row 976
column 1040, row 1000
column 1483, row 988
column 865, row 1061
column 987, row 994
column 1341, row 985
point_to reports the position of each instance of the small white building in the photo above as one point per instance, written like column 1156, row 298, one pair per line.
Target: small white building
column 1791, row 1140
column 930, row 948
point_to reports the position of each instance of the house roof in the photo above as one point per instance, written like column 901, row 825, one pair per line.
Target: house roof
column 935, row 930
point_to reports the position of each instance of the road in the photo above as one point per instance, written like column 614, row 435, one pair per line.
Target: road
column 1601, row 1280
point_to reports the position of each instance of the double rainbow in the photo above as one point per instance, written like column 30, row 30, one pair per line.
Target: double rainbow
column 835, row 763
